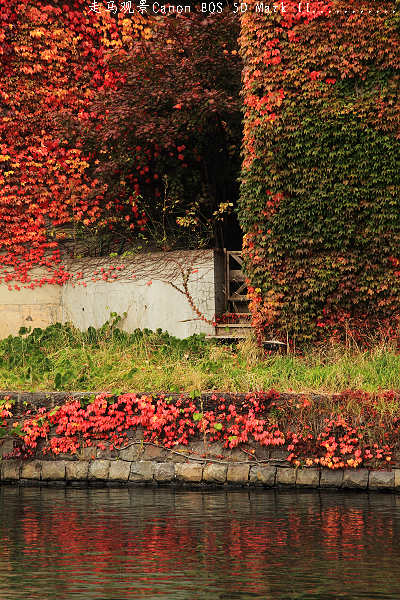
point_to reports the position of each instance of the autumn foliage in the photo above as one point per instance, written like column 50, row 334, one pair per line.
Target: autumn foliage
column 171, row 130
column 96, row 108
column 320, row 201
column 347, row 430
column 51, row 64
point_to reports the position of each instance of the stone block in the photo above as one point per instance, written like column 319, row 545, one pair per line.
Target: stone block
column 238, row 474
column 279, row 454
column 216, row 449
column 236, row 455
column 286, row 476
column 154, row 453
column 119, row 470
column 198, row 448
column 135, row 434
column 164, row 472
column 260, row 475
column 62, row 456
column 77, row 470
column 99, row 469
column 11, row 470
column 6, row 447
column 176, row 457
column 397, row 480
column 308, row 477
column 132, row 453
column 31, row 469
column 331, row 478
column 53, row 470
column 355, row 478
column 142, row 471
column 381, row 480
column 87, row 453
column 189, row 472
column 262, row 452
column 215, row 473
column 106, row 454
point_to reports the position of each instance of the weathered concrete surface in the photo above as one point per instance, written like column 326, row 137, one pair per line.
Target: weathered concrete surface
column 238, row 474
column 142, row 471
column 286, row 476
column 29, row 308
column 331, row 479
column 379, row 480
column 189, row 472
column 153, row 306
column 215, row 473
column 308, row 477
column 263, row 476
column 355, row 478
column 196, row 472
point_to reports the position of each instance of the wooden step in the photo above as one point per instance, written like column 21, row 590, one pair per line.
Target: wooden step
column 233, row 329
column 229, row 338
column 238, row 298
column 247, row 315
column 226, row 337
column 234, row 325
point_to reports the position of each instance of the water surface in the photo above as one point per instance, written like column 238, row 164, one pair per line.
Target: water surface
column 116, row 544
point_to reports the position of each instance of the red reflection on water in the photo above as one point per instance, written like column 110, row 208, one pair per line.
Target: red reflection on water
column 101, row 543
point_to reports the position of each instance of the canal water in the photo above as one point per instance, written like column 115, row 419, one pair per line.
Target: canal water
column 117, row 544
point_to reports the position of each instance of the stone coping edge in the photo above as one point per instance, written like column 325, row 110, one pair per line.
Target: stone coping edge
column 121, row 472
column 23, row 400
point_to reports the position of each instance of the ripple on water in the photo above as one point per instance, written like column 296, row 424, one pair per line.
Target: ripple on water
column 111, row 544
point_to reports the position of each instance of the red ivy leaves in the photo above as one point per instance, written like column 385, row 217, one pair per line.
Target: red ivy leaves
column 330, row 435
column 52, row 63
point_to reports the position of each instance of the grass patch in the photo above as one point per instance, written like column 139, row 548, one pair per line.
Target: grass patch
column 61, row 357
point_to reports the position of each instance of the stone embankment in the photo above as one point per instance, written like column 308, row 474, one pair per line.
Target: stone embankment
column 197, row 465
column 151, row 465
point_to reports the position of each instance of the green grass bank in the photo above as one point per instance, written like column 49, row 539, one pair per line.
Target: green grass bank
column 61, row 357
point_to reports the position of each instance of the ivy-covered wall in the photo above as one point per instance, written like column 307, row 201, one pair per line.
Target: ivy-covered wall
column 320, row 190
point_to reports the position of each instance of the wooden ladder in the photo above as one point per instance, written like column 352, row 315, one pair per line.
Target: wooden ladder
column 237, row 302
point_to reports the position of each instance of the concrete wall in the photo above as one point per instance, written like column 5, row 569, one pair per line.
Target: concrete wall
column 158, row 305
column 28, row 308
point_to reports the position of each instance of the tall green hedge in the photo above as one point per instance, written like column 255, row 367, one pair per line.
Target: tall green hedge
column 320, row 189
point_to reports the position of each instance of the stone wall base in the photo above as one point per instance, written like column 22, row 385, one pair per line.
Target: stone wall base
column 150, row 472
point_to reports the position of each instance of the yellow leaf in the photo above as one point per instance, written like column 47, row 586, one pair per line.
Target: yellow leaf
column 36, row 33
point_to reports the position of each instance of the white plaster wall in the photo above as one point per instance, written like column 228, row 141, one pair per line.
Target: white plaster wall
column 28, row 308
column 153, row 306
